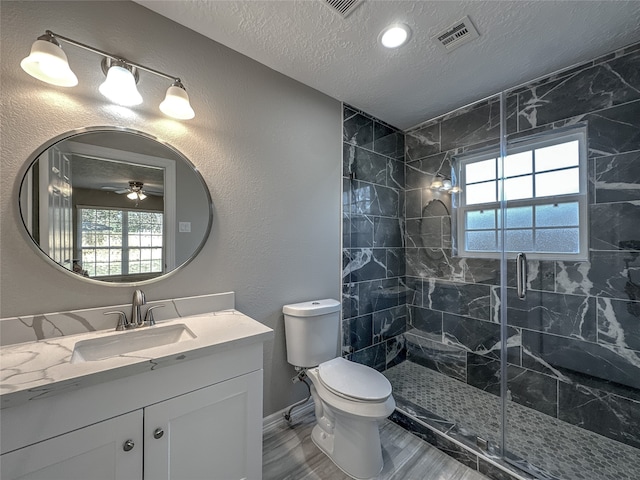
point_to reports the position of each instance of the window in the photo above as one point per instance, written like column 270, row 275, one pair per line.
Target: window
column 120, row 242
column 545, row 193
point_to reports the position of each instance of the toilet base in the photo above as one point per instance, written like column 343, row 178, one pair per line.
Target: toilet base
column 354, row 447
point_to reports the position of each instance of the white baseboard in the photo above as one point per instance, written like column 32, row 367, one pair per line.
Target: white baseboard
column 277, row 418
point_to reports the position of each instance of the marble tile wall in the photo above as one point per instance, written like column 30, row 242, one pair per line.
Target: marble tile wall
column 574, row 344
column 374, row 291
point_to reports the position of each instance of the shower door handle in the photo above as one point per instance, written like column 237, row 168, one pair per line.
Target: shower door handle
column 521, row 275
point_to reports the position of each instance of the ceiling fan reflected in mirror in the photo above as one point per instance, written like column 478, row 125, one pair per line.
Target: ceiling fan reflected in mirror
column 135, row 191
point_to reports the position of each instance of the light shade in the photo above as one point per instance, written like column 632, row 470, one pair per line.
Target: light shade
column 395, row 35
column 120, row 86
column 48, row 62
column 176, row 103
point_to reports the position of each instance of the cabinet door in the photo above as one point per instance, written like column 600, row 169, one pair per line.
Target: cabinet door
column 214, row 433
column 91, row 453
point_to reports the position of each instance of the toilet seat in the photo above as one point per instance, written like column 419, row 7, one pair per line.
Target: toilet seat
column 354, row 381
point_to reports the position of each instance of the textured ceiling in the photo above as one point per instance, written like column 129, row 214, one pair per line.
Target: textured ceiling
column 303, row 39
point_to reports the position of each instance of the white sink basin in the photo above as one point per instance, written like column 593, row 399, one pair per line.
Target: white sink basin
column 129, row 342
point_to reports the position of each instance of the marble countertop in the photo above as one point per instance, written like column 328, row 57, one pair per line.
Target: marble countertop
column 43, row 368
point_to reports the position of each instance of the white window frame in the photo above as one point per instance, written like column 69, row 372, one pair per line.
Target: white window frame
column 124, row 248
column 538, row 141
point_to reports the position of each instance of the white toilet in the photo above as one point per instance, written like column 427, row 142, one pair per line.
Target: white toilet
column 350, row 399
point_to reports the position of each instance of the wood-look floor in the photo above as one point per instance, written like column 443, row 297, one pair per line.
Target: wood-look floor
column 290, row 454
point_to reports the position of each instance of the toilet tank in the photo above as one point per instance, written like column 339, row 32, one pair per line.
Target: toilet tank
column 311, row 332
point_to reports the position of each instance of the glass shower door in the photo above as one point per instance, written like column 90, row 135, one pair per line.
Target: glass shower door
column 570, row 383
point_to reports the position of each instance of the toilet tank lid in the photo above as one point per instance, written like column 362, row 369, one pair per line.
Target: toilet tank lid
column 311, row 308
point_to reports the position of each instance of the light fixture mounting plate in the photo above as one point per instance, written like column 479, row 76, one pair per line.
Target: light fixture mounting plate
column 108, row 62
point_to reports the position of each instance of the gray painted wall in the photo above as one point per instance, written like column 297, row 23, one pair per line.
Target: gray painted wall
column 268, row 148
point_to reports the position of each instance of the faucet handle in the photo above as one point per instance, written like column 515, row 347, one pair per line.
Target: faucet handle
column 148, row 318
column 122, row 320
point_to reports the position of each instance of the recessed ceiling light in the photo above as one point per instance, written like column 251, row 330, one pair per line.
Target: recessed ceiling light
column 395, row 35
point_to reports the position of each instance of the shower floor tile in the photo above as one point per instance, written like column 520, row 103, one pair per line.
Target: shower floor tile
column 561, row 449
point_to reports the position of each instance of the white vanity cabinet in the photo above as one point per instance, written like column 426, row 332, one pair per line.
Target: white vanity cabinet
column 90, row 453
column 198, row 419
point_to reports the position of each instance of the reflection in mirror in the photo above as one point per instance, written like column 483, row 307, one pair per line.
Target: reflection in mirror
column 114, row 205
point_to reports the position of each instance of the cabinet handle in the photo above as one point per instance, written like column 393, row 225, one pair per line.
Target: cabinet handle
column 158, row 433
column 128, row 445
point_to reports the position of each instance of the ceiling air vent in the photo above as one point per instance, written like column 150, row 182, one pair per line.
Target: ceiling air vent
column 456, row 35
column 342, row 7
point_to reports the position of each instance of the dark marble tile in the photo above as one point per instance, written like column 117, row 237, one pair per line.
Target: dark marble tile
column 454, row 450
column 483, row 372
column 420, row 173
column 422, row 142
column 614, row 225
column 482, row 270
column 567, row 315
column 477, row 336
column 389, row 323
column 358, row 130
column 396, row 262
column 346, row 270
column 350, row 300
column 369, row 199
column 366, row 264
column 425, row 232
column 616, row 178
column 608, row 274
column 471, row 300
column 388, row 141
column 413, row 206
column 619, row 323
column 549, row 354
column 374, row 356
column 445, row 359
column 365, row 165
column 357, row 333
column 395, row 174
column 426, row 320
column 387, row 232
column 596, row 88
column 425, row 418
column 378, row 295
column 347, row 112
column 361, row 231
column 347, row 196
column 414, row 291
column 601, row 412
column 533, row 390
column 346, row 231
column 614, row 130
column 477, row 124
column 413, row 426
column 434, row 263
column 495, row 473
column 396, row 351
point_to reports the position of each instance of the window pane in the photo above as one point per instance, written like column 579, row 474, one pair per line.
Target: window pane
column 558, row 215
column 480, row 171
column 156, row 266
column 156, row 254
column 482, row 219
column 134, row 240
column 520, row 217
column 518, row 164
column 482, row 241
column 519, row 187
column 519, row 240
column 559, row 240
column 557, row 156
column 134, row 254
column 558, row 183
column 481, row 193
column 115, row 240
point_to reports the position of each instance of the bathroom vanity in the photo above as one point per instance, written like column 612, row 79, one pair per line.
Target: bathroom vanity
column 188, row 404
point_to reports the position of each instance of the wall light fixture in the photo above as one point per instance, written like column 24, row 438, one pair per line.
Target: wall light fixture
column 443, row 184
column 48, row 62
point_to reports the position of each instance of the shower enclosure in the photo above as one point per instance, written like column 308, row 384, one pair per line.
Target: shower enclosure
column 520, row 353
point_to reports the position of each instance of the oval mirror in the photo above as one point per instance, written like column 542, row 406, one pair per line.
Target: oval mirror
column 114, row 205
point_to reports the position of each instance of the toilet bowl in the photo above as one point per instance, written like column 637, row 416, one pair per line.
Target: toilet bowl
column 350, row 399
column 347, row 428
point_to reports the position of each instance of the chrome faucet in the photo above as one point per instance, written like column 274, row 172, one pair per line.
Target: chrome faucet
column 136, row 314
